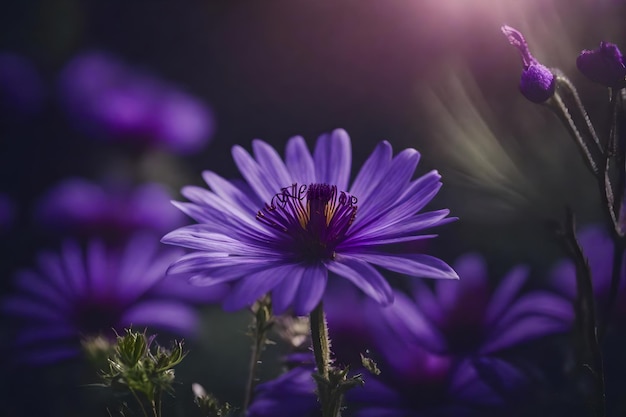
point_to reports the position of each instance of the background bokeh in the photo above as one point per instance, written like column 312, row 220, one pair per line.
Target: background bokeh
column 434, row 75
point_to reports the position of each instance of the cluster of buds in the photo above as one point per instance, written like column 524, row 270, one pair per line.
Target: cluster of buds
column 604, row 154
column 138, row 365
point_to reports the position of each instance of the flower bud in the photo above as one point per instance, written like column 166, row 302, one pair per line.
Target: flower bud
column 604, row 65
column 537, row 82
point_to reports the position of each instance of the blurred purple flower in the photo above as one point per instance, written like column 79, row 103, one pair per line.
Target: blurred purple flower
column 470, row 318
column 7, row 212
column 113, row 210
column 604, row 65
column 435, row 348
column 537, row 82
column 86, row 293
column 21, row 86
column 298, row 224
column 111, row 99
column 598, row 249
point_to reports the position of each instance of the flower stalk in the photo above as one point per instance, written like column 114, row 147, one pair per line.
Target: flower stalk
column 332, row 382
column 262, row 323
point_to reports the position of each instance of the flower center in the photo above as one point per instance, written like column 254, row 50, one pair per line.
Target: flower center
column 313, row 220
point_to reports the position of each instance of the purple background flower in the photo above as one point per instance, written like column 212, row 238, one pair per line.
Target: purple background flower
column 80, row 207
column 109, row 98
column 437, row 349
column 80, row 293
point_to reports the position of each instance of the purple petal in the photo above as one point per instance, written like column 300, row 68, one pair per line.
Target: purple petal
column 364, row 276
column 165, row 315
column 26, row 308
column 254, row 286
column 299, row 161
column 536, row 303
column 472, row 271
column 396, row 181
column 74, row 267
column 524, row 330
column 209, row 269
column 417, row 265
column 98, row 268
column 265, row 188
column 199, row 237
column 41, row 288
column 333, row 159
column 409, row 323
column 372, row 172
column 270, row 162
column 311, row 289
column 285, row 291
column 178, row 287
column 506, row 292
column 229, row 192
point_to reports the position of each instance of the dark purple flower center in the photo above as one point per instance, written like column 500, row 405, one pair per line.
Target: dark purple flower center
column 312, row 220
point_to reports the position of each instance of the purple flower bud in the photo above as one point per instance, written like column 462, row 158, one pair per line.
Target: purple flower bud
column 537, row 83
column 604, row 65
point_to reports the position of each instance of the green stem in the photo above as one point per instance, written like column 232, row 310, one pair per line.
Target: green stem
column 143, row 409
column 261, row 324
column 319, row 337
column 328, row 391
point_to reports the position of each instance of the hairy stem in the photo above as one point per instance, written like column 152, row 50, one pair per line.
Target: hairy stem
column 261, row 324
column 328, row 391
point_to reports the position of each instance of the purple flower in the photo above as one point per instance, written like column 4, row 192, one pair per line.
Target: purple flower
column 470, row 318
column 604, row 65
column 85, row 293
column 82, row 207
column 598, row 249
column 298, row 221
column 537, row 83
column 105, row 96
column 436, row 348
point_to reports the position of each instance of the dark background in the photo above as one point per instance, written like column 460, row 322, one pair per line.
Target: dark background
column 434, row 75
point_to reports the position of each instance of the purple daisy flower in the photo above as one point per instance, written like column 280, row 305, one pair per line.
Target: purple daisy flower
column 105, row 96
column 81, row 207
column 85, row 293
column 299, row 220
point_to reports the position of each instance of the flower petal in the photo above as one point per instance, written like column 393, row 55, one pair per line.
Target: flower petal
column 165, row 315
column 299, row 161
column 254, row 286
column 333, row 159
column 372, row 172
column 364, row 276
column 504, row 295
column 311, row 289
column 285, row 291
column 270, row 162
column 414, row 264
